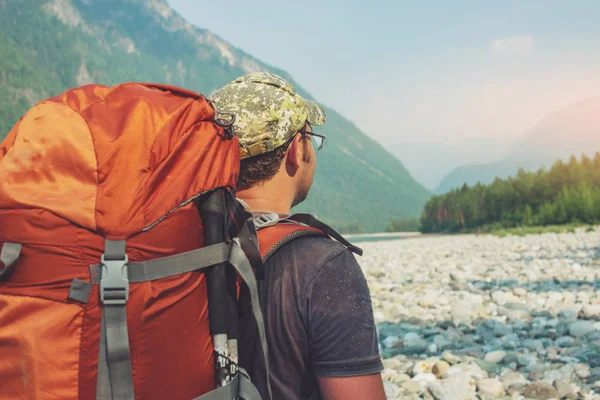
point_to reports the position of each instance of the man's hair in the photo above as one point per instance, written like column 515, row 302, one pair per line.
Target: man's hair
column 262, row 168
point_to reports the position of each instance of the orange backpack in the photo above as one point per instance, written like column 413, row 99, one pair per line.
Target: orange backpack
column 121, row 244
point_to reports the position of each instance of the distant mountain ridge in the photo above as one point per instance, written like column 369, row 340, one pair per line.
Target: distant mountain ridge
column 429, row 162
column 47, row 46
column 574, row 130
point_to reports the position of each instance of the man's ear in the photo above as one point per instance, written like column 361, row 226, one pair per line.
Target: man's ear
column 294, row 155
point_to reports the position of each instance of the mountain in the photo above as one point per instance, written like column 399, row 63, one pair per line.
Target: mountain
column 571, row 131
column 429, row 162
column 47, row 46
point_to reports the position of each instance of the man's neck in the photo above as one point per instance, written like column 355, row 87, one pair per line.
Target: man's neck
column 266, row 199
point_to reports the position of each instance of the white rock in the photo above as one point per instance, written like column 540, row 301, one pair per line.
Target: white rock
column 490, row 388
column 495, row 356
column 466, row 310
column 450, row 358
column 511, row 378
column 400, row 379
column 580, row 328
column 390, row 341
column 412, row 386
column 591, row 311
column 421, row 367
column 424, row 377
column 555, row 297
column 432, row 348
column 582, row 370
column 392, row 363
column 502, row 297
column 567, row 372
column 583, row 297
column 413, row 339
column 520, row 292
column 439, row 368
column 551, row 376
column 454, row 388
column 392, row 392
column 563, row 389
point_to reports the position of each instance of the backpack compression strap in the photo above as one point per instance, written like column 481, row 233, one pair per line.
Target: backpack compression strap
column 115, row 380
column 114, row 362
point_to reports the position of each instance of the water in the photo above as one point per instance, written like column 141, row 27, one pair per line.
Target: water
column 379, row 237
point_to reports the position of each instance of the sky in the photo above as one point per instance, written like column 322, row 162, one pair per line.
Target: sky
column 427, row 71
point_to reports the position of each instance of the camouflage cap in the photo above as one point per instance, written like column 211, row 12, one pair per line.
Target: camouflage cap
column 268, row 111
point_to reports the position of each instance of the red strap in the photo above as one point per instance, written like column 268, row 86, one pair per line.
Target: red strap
column 268, row 237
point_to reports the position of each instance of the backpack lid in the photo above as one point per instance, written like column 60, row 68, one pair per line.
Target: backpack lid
column 115, row 160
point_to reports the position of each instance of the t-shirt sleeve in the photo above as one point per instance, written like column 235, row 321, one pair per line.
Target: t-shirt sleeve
column 342, row 338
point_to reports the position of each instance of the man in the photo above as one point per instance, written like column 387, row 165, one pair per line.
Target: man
column 317, row 308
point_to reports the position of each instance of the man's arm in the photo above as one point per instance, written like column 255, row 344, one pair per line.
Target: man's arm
column 342, row 334
column 365, row 387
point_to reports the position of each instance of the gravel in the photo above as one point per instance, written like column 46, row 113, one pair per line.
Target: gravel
column 478, row 316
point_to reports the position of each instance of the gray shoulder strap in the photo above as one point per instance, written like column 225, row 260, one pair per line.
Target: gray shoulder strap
column 240, row 387
column 247, row 389
column 226, row 392
column 240, row 262
column 9, row 257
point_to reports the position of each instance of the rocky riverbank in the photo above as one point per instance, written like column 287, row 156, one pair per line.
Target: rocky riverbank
column 481, row 317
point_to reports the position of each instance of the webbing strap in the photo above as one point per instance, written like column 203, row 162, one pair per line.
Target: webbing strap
column 117, row 352
column 114, row 293
column 240, row 262
column 114, row 249
column 240, row 387
column 179, row 263
column 80, row 290
column 249, row 243
column 227, row 392
column 310, row 220
column 247, row 389
column 265, row 220
column 157, row 269
column 103, row 389
column 9, row 256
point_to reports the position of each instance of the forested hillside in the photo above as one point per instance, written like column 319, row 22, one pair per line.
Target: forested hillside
column 47, row 46
column 566, row 193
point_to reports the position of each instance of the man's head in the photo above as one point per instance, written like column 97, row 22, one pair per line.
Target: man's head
column 272, row 123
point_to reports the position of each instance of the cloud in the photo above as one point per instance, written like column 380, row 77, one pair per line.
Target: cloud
column 521, row 44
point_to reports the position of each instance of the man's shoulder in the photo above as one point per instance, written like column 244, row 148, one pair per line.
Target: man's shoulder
column 306, row 260
column 316, row 250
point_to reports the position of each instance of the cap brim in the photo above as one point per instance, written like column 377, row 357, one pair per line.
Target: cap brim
column 316, row 113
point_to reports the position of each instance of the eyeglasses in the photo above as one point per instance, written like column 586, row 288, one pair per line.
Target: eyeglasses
column 317, row 140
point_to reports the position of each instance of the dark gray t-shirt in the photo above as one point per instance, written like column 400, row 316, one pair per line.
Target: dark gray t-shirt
column 318, row 316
